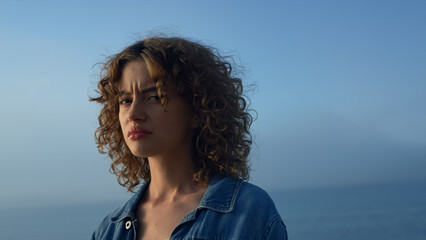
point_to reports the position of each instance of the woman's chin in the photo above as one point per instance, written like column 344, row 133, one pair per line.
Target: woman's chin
column 140, row 153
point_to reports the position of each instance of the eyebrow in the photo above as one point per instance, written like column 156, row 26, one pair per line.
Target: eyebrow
column 144, row 91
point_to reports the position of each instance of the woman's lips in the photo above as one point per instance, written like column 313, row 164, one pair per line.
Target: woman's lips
column 137, row 133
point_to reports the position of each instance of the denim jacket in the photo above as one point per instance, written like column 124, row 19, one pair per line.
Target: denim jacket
column 229, row 209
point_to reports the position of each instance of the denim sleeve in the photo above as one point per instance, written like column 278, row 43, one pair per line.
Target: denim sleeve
column 276, row 230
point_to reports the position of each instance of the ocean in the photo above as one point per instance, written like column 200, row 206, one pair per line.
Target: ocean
column 374, row 212
column 369, row 212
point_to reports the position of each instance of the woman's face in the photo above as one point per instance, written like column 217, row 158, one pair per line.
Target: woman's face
column 148, row 129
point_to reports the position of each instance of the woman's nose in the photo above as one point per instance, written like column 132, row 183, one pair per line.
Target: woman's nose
column 136, row 112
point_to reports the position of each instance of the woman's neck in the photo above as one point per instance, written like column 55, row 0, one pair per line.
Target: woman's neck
column 171, row 177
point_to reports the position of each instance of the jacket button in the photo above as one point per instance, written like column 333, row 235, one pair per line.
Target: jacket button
column 128, row 224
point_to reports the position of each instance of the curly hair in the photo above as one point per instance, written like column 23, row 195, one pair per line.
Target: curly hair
column 206, row 81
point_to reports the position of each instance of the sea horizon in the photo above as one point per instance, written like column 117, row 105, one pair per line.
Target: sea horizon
column 366, row 211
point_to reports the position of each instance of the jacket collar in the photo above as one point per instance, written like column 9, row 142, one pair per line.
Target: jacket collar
column 220, row 196
column 129, row 208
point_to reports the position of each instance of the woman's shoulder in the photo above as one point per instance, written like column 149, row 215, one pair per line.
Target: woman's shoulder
column 253, row 197
column 254, row 192
column 106, row 223
column 119, row 217
column 248, row 206
column 227, row 194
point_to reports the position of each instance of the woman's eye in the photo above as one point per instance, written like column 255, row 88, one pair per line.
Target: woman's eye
column 124, row 101
column 154, row 98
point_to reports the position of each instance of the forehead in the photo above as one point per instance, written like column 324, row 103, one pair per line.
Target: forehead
column 135, row 74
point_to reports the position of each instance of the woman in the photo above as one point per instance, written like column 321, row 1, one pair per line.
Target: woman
column 174, row 118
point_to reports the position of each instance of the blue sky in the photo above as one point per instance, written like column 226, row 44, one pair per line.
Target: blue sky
column 340, row 89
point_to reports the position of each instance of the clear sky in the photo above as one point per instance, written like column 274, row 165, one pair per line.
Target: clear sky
column 340, row 89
